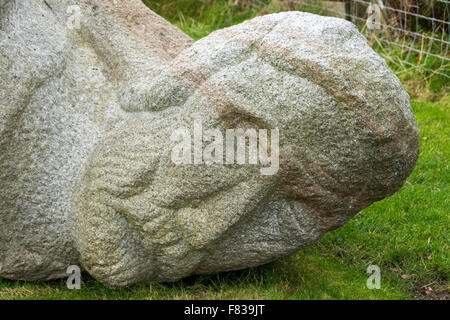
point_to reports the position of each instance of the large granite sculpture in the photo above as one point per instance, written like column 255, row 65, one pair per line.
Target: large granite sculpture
column 88, row 108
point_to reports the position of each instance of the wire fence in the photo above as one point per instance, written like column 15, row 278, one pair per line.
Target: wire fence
column 418, row 29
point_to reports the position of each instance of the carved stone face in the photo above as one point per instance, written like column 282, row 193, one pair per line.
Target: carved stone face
column 92, row 152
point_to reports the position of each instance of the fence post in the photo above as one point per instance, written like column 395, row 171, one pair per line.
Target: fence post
column 348, row 13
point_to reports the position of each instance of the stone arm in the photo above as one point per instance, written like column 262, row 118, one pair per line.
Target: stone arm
column 136, row 46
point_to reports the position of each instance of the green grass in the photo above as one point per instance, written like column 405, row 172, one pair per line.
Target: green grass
column 406, row 235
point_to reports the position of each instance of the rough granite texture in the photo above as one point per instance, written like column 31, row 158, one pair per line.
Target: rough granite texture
column 86, row 116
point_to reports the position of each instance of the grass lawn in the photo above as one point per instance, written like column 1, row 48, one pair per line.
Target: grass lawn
column 406, row 235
